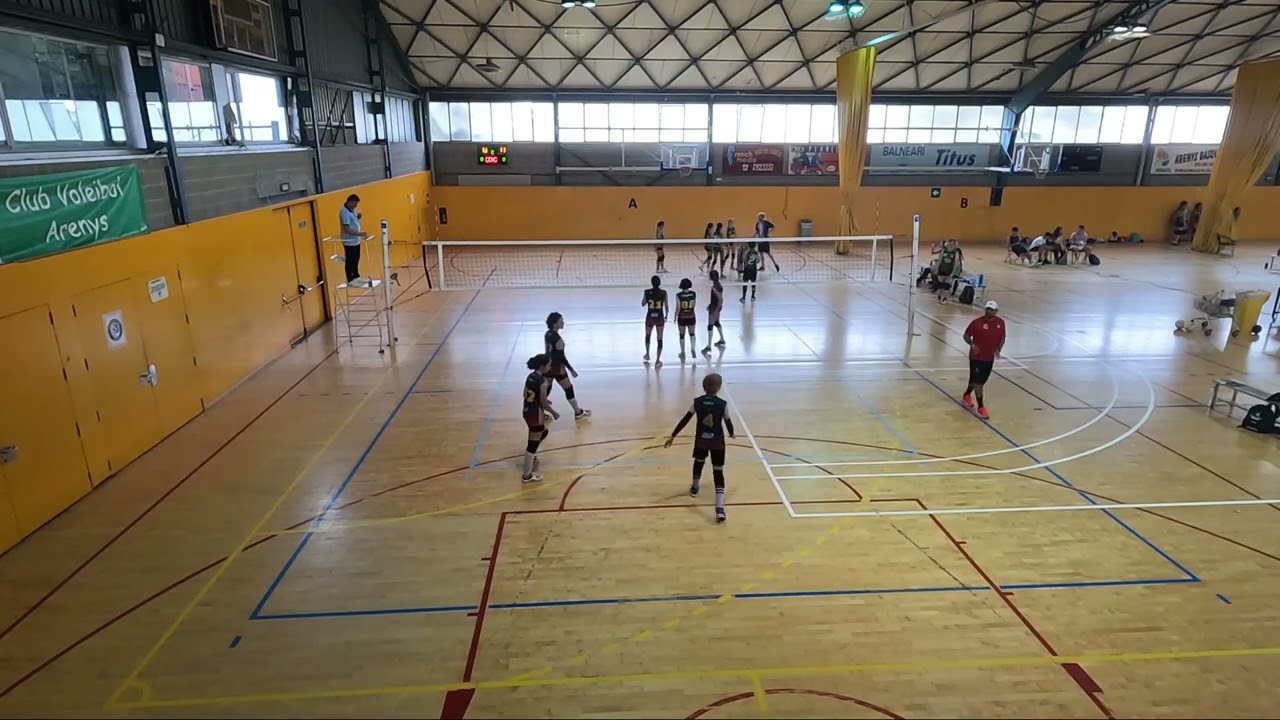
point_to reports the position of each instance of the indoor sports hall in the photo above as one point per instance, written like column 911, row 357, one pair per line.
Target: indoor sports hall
column 276, row 277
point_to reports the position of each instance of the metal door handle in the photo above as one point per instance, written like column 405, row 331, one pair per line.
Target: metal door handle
column 8, row 453
column 148, row 377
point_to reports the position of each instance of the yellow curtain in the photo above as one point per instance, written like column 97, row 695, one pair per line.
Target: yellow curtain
column 1251, row 140
column 854, row 74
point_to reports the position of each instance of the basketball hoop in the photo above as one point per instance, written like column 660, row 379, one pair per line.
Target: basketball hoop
column 686, row 170
column 1041, row 173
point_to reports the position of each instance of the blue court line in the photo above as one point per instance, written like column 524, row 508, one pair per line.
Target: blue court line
column 236, row 640
column 493, row 406
column 535, row 604
column 911, row 449
column 363, row 456
column 1049, row 469
column 1223, row 598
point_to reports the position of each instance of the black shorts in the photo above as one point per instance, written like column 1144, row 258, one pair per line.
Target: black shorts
column 685, row 322
column 763, row 248
column 717, row 455
column 749, row 274
column 980, row 371
column 557, row 374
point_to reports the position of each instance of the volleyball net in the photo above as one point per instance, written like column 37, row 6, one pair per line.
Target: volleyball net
column 459, row 265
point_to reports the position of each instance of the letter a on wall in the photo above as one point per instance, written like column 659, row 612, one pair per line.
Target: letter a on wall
column 632, row 205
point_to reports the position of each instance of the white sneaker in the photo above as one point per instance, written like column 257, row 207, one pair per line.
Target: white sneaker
column 582, row 414
column 531, row 478
column 337, row 258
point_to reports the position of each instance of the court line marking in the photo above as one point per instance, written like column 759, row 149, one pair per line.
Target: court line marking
column 495, row 399
column 1151, row 407
column 746, row 429
column 1115, row 397
column 783, row 671
column 132, row 679
column 1047, row 508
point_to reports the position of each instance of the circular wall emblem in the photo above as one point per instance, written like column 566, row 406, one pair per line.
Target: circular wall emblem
column 115, row 330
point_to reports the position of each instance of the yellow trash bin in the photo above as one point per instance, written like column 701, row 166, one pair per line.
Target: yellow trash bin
column 1248, row 308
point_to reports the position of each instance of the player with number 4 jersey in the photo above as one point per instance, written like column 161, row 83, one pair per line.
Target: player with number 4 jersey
column 713, row 420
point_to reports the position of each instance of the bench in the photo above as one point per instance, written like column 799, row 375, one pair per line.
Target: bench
column 1237, row 389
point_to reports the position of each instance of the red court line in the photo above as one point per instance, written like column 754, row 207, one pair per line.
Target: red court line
column 44, row 665
column 484, row 602
column 1076, row 673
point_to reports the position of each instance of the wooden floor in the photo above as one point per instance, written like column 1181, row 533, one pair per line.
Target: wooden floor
column 345, row 536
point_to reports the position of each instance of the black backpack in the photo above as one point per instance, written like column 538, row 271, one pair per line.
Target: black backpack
column 966, row 295
column 1262, row 418
column 1094, row 259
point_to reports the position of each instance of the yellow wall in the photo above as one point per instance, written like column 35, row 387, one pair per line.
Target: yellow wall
column 222, row 321
column 584, row 213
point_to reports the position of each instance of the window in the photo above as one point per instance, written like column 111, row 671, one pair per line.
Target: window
column 1084, row 124
column 774, row 123
column 633, row 122
column 1194, row 124
column 258, row 102
column 57, row 92
column 493, row 122
column 192, row 104
column 935, row 123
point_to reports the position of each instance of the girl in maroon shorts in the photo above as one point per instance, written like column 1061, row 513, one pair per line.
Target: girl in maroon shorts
column 536, row 406
column 713, row 312
column 655, row 315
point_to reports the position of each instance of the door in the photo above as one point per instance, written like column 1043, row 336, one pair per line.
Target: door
column 42, row 463
column 306, row 258
column 116, row 362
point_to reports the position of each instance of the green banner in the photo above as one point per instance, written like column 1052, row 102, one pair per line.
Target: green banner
column 44, row 214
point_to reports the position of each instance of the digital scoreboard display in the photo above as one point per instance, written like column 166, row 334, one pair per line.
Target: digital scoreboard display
column 493, row 154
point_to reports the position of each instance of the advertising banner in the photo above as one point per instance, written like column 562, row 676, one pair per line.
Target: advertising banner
column 45, row 214
column 757, row 160
column 813, row 160
column 921, row 155
column 1183, row 159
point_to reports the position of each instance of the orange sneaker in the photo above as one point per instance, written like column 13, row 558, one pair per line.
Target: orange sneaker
column 982, row 413
column 968, row 399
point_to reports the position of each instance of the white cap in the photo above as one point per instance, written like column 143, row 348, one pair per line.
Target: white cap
column 992, row 305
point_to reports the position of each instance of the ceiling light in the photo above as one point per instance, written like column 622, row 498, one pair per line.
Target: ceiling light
column 1139, row 28
column 1119, row 30
column 856, row 9
column 568, row 3
column 836, row 7
column 588, row 3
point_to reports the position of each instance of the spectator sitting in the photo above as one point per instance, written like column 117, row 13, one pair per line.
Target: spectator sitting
column 1079, row 241
column 1018, row 247
column 1195, row 217
column 1181, row 223
column 1039, row 245
column 1115, row 237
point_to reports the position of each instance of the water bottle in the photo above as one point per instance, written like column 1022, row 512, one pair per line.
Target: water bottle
column 980, row 280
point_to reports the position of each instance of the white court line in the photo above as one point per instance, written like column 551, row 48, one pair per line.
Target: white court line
column 1115, row 397
column 1043, row 508
column 759, row 453
column 1151, row 408
column 797, row 363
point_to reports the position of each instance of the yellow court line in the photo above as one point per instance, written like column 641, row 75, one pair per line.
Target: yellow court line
column 524, row 682
column 758, row 688
column 375, row 522
column 132, row 678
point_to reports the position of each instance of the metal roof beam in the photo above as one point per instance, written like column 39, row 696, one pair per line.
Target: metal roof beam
column 1075, row 53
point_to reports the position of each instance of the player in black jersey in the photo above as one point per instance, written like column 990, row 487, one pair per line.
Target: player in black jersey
column 687, row 315
column 750, row 268
column 660, row 235
column 655, row 315
column 713, row 420
column 535, row 406
column 560, row 364
column 713, row 312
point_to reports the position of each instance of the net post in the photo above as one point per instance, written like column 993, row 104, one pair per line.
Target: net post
column 911, row 286
column 440, row 262
column 875, row 257
column 386, row 285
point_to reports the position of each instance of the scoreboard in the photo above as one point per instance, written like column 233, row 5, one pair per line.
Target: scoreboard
column 493, row 154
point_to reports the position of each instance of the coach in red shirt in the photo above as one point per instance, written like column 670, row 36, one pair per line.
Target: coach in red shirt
column 985, row 336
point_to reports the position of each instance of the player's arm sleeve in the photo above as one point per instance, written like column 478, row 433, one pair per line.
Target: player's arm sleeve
column 728, row 423
column 683, row 421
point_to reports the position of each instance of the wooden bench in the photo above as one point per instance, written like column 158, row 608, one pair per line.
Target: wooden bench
column 1237, row 389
